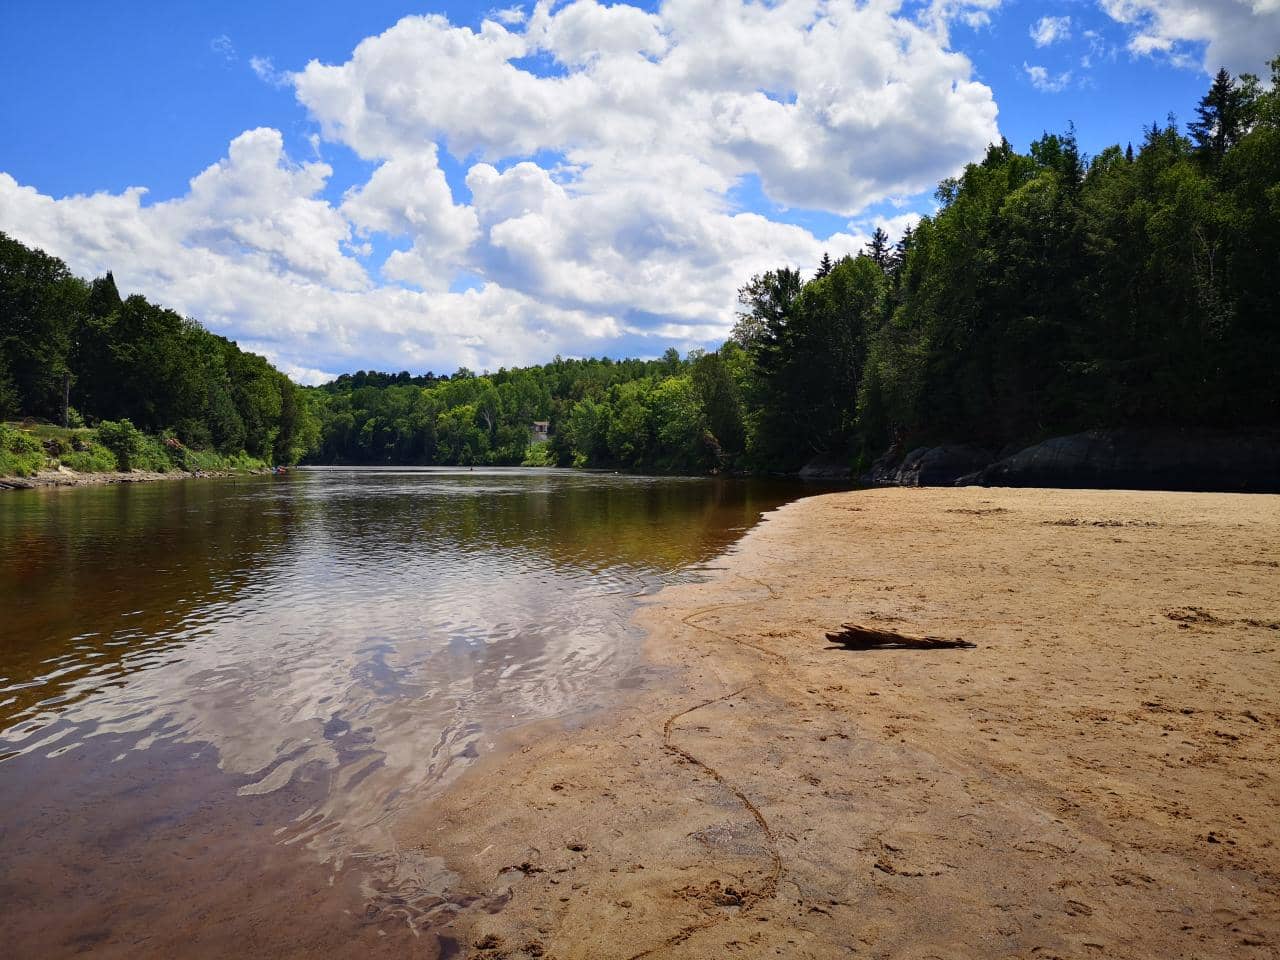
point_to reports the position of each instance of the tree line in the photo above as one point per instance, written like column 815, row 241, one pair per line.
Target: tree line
column 469, row 418
column 1051, row 292
column 74, row 352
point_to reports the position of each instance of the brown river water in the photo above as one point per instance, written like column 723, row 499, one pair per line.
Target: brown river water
column 217, row 696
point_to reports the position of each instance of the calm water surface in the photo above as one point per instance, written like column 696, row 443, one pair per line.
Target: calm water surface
column 296, row 657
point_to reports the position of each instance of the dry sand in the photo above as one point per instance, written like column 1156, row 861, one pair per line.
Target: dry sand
column 1099, row 777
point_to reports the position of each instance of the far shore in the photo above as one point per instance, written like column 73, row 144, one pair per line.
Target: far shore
column 64, row 477
column 1098, row 777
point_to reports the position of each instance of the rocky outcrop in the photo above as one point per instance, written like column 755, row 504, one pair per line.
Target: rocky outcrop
column 884, row 471
column 826, row 468
column 941, row 466
column 1145, row 460
column 928, row 466
column 1101, row 459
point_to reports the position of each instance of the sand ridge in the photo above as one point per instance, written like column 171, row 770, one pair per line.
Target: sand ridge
column 1097, row 778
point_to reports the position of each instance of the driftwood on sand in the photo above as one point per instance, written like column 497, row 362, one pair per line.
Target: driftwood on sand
column 854, row 637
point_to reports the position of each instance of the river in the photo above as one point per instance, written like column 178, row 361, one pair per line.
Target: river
column 216, row 696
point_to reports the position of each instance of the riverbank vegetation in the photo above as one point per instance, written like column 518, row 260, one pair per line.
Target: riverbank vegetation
column 75, row 353
column 110, row 447
column 1050, row 292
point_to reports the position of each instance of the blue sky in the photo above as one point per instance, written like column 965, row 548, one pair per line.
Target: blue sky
column 377, row 215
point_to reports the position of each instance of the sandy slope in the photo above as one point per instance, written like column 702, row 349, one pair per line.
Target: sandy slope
column 1100, row 777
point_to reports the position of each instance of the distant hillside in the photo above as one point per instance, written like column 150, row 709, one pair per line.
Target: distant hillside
column 72, row 351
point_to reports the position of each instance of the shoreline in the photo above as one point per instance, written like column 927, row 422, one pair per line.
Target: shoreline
column 1098, row 777
column 66, row 478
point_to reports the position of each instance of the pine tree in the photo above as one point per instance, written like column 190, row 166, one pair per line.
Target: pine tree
column 1073, row 164
column 878, row 248
column 1221, row 118
column 899, row 255
column 104, row 298
column 824, row 267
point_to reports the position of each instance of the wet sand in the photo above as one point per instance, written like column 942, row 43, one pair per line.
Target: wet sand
column 1099, row 777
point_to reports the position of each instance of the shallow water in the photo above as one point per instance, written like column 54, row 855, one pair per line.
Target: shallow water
column 292, row 659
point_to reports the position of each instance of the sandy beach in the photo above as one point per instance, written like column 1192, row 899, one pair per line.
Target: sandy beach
column 1098, row 777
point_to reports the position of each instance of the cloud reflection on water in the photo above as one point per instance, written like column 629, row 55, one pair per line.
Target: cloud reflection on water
column 363, row 631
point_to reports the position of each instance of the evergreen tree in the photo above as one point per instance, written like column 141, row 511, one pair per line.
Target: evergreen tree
column 899, row 255
column 1222, row 118
column 824, row 266
column 878, row 248
column 104, row 298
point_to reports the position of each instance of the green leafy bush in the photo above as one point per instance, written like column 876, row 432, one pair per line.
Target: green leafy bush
column 153, row 455
column 539, row 455
column 21, row 454
column 243, row 461
column 124, row 440
column 95, row 458
column 210, row 461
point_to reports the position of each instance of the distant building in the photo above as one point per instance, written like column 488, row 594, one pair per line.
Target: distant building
column 540, row 430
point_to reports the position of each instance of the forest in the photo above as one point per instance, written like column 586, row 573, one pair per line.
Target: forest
column 74, row 353
column 1050, row 292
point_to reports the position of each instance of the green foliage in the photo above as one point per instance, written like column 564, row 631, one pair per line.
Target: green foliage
column 539, row 455
column 1050, row 292
column 24, row 450
column 371, row 417
column 10, row 400
column 63, row 339
column 124, row 440
column 41, row 308
column 95, row 458
column 132, row 449
column 208, row 461
column 21, row 454
column 1224, row 115
column 721, row 399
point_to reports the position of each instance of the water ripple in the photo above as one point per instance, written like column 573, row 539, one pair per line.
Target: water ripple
column 363, row 632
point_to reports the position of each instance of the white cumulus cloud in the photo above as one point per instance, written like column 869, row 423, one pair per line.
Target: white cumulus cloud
column 266, row 71
column 1044, row 81
column 509, row 15
column 1241, row 35
column 595, row 154
column 1049, row 30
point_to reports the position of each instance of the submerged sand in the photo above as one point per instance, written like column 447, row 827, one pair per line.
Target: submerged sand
column 1099, row 777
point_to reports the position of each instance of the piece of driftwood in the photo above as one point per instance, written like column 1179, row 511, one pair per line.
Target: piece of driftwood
column 855, row 637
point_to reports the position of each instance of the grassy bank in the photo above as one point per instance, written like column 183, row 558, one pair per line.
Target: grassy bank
column 26, row 449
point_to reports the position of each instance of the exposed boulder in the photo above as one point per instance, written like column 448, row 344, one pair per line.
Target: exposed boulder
column 941, row 466
column 884, row 471
column 1145, row 460
column 826, row 467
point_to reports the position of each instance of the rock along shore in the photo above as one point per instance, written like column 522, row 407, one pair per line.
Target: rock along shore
column 71, row 478
column 1194, row 460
